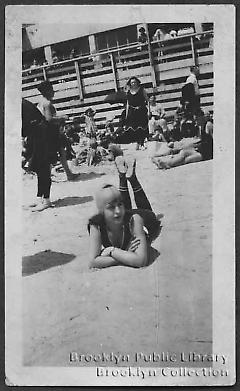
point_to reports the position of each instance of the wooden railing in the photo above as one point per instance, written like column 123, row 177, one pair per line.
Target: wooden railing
column 162, row 67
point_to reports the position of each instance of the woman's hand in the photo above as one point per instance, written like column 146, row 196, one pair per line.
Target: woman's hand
column 134, row 244
column 106, row 252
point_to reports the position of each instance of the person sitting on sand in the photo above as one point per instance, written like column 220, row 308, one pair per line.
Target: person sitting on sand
column 120, row 235
column 163, row 149
column 188, row 151
column 156, row 115
column 91, row 128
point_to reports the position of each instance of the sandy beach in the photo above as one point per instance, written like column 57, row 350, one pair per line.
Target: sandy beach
column 165, row 307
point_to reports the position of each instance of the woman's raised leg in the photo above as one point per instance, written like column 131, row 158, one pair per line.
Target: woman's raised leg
column 140, row 197
column 123, row 185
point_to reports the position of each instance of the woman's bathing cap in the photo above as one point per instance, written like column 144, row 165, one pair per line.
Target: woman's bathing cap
column 107, row 193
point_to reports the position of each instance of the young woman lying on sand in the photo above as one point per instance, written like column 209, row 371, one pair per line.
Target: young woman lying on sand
column 120, row 235
column 187, row 151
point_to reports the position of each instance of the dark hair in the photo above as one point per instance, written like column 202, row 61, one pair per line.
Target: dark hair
column 133, row 78
column 45, row 86
column 194, row 68
column 89, row 110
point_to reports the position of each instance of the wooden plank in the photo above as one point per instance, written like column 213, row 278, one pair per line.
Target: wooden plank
column 181, row 64
column 33, row 75
column 61, row 94
column 58, row 69
column 56, row 86
column 66, row 85
column 75, row 104
column 108, row 85
column 165, row 88
column 206, row 68
column 79, row 81
column 204, row 50
column 140, row 73
column 137, row 54
column 205, row 60
column 94, row 72
column 177, row 95
column 30, row 93
column 66, row 93
column 176, row 48
column 95, row 80
column 182, row 72
column 78, row 111
column 130, row 63
column 194, row 59
column 173, row 104
column 32, row 85
column 171, row 56
column 62, row 77
column 171, row 74
column 71, row 103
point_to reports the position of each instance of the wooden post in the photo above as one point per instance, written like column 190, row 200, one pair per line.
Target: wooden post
column 114, row 71
column 44, row 74
column 80, row 88
column 153, row 73
column 193, row 52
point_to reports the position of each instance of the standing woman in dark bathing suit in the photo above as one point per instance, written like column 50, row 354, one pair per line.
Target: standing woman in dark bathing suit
column 45, row 145
column 120, row 235
column 136, row 111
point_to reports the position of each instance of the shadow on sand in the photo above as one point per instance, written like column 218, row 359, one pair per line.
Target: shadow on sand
column 67, row 201
column 86, row 176
column 154, row 254
column 83, row 176
column 44, row 260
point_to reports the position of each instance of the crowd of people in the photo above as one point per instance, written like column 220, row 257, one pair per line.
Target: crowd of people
column 119, row 235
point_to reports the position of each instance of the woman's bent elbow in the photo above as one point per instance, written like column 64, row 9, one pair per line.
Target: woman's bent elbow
column 92, row 264
column 140, row 262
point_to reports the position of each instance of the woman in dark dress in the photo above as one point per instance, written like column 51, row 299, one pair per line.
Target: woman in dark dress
column 136, row 123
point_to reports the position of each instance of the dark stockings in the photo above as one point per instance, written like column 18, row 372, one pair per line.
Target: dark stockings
column 140, row 197
column 44, row 181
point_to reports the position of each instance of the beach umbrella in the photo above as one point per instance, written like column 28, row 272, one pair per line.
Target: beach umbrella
column 30, row 116
column 116, row 97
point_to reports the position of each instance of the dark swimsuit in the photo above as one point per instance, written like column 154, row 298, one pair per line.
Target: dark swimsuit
column 151, row 225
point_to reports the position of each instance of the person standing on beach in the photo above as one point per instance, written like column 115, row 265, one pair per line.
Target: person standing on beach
column 136, row 122
column 191, row 91
column 46, row 107
column 43, row 144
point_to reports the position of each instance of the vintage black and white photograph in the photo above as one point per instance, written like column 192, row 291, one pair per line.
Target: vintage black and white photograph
column 123, row 222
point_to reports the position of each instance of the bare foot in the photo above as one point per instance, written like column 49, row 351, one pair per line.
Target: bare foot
column 121, row 165
column 131, row 166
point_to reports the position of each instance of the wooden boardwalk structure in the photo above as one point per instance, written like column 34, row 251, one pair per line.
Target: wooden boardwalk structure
column 162, row 67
